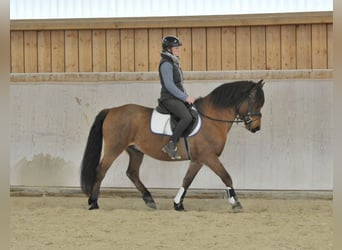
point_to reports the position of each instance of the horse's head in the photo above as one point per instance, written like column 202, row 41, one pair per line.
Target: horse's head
column 249, row 110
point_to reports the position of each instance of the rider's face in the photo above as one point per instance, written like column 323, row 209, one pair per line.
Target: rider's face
column 175, row 51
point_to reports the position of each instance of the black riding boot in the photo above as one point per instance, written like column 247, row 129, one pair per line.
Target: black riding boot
column 171, row 149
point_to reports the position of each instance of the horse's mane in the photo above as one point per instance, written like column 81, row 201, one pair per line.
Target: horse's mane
column 232, row 94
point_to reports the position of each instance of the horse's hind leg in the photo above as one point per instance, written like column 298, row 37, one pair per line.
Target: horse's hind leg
column 188, row 178
column 135, row 160
column 101, row 171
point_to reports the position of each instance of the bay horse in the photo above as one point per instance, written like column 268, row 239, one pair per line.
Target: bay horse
column 126, row 128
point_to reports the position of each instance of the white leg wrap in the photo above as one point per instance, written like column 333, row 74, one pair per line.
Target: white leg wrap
column 231, row 198
column 179, row 195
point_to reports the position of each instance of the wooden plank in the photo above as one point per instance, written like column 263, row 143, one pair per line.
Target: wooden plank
column 319, row 46
column 303, row 38
column 113, row 51
column 243, row 48
column 174, row 21
column 273, row 47
column 141, row 50
column 258, row 47
column 127, row 50
column 71, row 51
column 58, row 50
column 330, row 46
column 99, row 51
column 199, row 55
column 228, row 44
column 169, row 32
column 155, row 40
column 17, row 52
column 30, row 51
column 214, row 52
column 288, row 47
column 184, row 35
column 85, row 51
column 44, row 51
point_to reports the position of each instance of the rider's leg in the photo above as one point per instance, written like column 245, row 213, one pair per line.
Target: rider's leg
column 181, row 111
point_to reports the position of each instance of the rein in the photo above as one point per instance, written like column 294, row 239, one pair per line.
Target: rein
column 237, row 120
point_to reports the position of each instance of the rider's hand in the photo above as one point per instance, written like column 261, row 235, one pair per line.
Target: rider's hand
column 190, row 100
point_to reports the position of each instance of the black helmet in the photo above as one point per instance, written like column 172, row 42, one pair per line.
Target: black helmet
column 170, row 41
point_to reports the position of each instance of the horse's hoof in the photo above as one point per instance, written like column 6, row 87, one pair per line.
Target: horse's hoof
column 94, row 206
column 149, row 201
column 237, row 207
column 151, row 205
column 178, row 207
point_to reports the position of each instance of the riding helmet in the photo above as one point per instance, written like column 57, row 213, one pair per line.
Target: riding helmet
column 170, row 41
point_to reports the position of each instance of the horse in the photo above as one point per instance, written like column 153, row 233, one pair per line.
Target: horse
column 126, row 128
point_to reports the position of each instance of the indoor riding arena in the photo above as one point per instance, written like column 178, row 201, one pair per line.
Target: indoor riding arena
column 68, row 62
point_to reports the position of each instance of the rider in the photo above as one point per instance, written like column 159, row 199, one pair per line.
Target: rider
column 173, row 96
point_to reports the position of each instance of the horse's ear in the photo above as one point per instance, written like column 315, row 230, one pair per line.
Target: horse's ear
column 261, row 83
column 258, row 85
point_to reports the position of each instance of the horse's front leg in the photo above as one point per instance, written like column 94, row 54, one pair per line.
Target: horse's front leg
column 188, row 178
column 214, row 164
column 233, row 200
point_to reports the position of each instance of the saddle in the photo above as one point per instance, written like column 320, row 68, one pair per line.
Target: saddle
column 163, row 123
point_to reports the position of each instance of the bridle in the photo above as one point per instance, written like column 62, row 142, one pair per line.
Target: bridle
column 247, row 118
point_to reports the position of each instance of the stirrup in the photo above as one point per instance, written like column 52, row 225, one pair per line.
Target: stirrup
column 175, row 156
column 171, row 149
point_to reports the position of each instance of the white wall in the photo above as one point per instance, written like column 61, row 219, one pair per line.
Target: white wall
column 293, row 150
column 41, row 9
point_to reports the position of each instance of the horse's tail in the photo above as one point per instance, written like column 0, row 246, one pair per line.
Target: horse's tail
column 92, row 153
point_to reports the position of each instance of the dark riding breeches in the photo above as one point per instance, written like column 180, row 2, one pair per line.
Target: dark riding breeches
column 182, row 112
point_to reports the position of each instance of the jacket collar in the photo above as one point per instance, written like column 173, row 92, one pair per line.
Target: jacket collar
column 166, row 54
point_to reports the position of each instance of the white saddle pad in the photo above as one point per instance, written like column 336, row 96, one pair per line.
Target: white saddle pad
column 161, row 124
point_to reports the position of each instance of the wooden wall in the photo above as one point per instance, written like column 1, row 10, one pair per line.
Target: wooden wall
column 253, row 42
